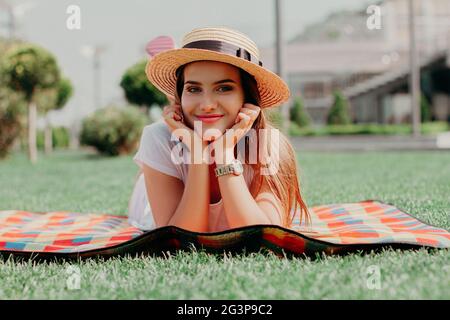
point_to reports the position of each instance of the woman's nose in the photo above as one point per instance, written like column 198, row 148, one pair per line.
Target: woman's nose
column 208, row 104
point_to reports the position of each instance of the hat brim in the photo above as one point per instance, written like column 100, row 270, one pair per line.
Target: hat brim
column 161, row 72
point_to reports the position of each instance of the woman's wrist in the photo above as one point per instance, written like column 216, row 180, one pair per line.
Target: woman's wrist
column 223, row 156
column 199, row 154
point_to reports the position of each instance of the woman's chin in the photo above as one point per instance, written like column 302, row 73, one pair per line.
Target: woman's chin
column 212, row 133
column 209, row 138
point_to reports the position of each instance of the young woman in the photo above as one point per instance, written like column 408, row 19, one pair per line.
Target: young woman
column 214, row 162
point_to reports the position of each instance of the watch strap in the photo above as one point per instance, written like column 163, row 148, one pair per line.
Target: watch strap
column 234, row 167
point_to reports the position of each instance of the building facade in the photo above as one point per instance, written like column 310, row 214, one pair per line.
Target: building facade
column 371, row 66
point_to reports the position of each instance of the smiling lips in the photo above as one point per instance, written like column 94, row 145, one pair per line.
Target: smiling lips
column 210, row 118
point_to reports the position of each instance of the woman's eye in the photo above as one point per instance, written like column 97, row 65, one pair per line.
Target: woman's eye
column 192, row 89
column 225, row 88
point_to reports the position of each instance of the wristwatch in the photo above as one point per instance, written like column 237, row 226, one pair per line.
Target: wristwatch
column 235, row 167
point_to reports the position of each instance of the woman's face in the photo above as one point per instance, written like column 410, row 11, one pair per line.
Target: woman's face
column 211, row 88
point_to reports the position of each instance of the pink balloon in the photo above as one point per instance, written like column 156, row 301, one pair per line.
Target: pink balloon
column 159, row 44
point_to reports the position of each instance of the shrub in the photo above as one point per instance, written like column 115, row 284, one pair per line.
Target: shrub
column 338, row 113
column 274, row 117
column 296, row 130
column 435, row 127
column 298, row 114
column 425, row 109
column 113, row 131
column 60, row 138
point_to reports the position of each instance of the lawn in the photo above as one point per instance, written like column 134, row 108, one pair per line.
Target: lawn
column 417, row 182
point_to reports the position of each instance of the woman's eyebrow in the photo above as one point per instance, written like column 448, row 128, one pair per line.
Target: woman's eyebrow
column 217, row 82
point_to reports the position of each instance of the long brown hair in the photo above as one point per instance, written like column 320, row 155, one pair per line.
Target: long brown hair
column 285, row 184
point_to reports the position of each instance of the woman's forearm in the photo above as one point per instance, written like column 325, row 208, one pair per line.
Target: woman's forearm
column 192, row 211
column 239, row 205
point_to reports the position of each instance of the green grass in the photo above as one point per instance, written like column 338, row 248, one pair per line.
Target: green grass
column 415, row 181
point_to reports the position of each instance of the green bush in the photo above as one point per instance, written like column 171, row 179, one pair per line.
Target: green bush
column 296, row 130
column 113, row 131
column 60, row 138
column 298, row 114
column 338, row 113
column 425, row 109
column 274, row 117
column 435, row 127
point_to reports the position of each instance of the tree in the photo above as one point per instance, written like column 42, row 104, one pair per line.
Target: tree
column 298, row 114
column 338, row 113
column 54, row 98
column 138, row 90
column 30, row 69
column 12, row 110
column 12, row 107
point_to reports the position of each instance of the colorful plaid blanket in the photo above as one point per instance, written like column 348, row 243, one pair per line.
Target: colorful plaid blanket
column 334, row 229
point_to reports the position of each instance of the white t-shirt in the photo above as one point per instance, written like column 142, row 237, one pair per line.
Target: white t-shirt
column 156, row 151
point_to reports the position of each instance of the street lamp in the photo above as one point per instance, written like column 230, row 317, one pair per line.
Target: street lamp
column 414, row 82
column 14, row 13
column 279, row 54
column 10, row 25
column 94, row 52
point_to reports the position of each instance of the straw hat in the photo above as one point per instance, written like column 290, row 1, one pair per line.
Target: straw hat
column 217, row 44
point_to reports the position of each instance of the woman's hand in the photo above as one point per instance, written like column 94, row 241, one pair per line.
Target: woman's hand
column 173, row 116
column 224, row 145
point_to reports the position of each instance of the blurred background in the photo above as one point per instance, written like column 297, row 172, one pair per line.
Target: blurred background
column 361, row 73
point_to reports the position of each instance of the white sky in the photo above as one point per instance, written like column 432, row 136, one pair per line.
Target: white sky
column 125, row 26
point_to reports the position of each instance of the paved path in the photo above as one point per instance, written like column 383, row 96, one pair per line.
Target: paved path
column 372, row 143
